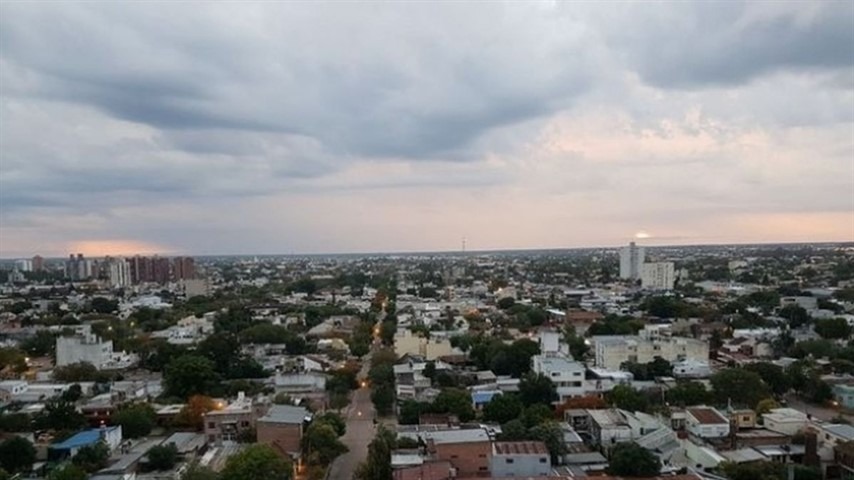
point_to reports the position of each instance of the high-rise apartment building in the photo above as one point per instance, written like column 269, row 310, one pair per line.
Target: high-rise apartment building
column 631, row 261
column 78, row 267
column 183, row 268
column 24, row 265
column 161, row 269
column 38, row 263
column 658, row 276
column 117, row 272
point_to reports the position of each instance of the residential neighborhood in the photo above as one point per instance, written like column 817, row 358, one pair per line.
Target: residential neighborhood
column 729, row 362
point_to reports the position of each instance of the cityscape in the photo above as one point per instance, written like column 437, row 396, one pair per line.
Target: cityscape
column 415, row 240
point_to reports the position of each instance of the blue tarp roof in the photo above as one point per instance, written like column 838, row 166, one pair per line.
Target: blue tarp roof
column 81, row 439
column 479, row 397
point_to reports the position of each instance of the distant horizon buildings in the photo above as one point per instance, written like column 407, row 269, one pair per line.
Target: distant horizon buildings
column 125, row 271
column 631, row 261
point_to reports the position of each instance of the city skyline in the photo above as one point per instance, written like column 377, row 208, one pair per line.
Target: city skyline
column 301, row 128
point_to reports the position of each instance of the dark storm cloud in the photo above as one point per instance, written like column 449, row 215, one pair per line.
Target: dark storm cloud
column 698, row 44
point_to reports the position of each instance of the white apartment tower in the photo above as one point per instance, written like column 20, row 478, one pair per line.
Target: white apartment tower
column 658, row 276
column 118, row 272
column 631, row 261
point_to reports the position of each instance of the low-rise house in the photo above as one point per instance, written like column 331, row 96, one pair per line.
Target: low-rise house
column 468, row 450
column 566, row 374
column 608, row 428
column 519, row 459
column 111, row 436
column 706, row 423
column 230, row 422
column 844, row 395
column 282, row 428
column 785, row 420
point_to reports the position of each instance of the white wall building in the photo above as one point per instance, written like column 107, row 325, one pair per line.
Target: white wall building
column 631, row 260
column 706, row 422
column 24, row 265
column 692, row 369
column 519, row 459
column 658, row 276
column 88, row 348
column 566, row 374
column 118, row 272
column 613, row 351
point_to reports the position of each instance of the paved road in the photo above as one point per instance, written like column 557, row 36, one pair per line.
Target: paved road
column 360, row 432
column 821, row 413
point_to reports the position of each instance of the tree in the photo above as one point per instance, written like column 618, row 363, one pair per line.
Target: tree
column 627, row 398
column 16, row 422
column 73, row 393
column 513, row 431
column 772, row 375
column 76, row 372
column 320, row 443
column 506, row 302
column 136, row 420
column 333, row 419
column 766, row 405
column 502, row 409
column 17, row 454
column 537, row 389
column 196, row 472
column 163, row 457
column 92, row 457
column 383, row 398
column 192, row 415
column 752, row 471
column 795, row 314
column 220, row 348
column 833, row 328
column 536, row 414
column 188, row 375
column 13, row 359
column 739, row 386
column 59, row 414
column 254, row 462
column 42, row 344
column 456, row 401
column 430, row 370
column 551, row 434
column 631, row 460
column 104, row 305
column 68, row 472
column 265, row 333
column 688, row 393
column 378, row 464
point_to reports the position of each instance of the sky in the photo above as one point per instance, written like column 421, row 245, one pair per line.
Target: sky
column 307, row 127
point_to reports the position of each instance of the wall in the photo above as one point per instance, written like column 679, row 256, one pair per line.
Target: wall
column 283, row 437
column 520, row 465
column 470, row 458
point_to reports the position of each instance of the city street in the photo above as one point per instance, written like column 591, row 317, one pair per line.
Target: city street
column 360, row 432
column 819, row 412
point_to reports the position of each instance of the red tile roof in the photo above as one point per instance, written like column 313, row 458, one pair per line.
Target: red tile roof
column 707, row 416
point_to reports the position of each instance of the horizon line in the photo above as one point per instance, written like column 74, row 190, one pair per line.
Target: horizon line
column 446, row 252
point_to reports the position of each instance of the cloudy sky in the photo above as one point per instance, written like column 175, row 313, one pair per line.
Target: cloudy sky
column 291, row 127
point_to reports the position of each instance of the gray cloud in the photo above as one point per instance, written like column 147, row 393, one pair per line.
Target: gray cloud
column 107, row 106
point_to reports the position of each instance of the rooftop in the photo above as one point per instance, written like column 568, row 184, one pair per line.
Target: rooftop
column 519, row 448
column 707, row 416
column 285, row 414
column 457, row 436
column 81, row 439
column 846, row 432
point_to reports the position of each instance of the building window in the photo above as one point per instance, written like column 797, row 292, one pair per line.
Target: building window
column 509, row 460
column 483, row 469
column 455, row 456
column 211, row 438
column 482, row 455
column 543, row 460
column 211, row 425
column 244, row 423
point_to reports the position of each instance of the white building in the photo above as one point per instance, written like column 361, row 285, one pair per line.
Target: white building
column 118, row 272
column 692, row 369
column 706, row 422
column 519, row 459
column 566, row 374
column 88, row 348
column 24, row 265
column 658, row 276
column 785, row 420
column 631, row 260
column 612, row 351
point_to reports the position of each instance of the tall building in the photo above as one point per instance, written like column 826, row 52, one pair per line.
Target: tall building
column 87, row 348
column 658, row 276
column 24, row 265
column 117, row 271
column 631, row 260
column 38, row 263
column 183, row 268
column 78, row 267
